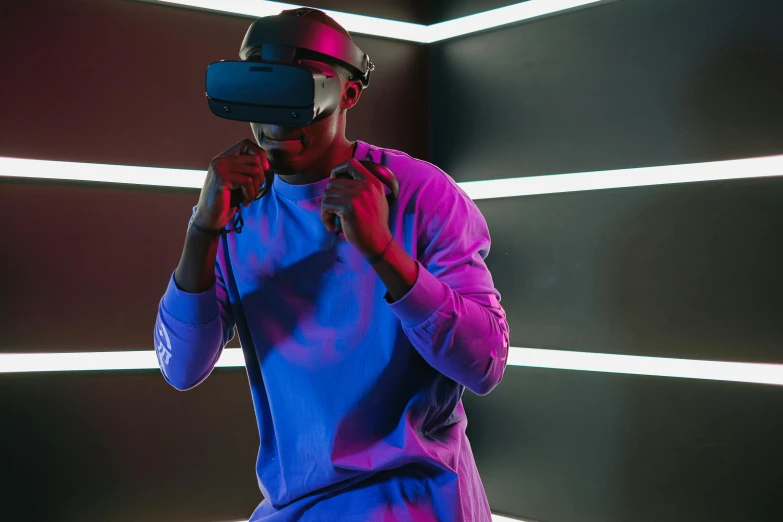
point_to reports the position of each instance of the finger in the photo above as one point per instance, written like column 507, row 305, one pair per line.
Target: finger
column 359, row 172
column 229, row 171
column 259, row 161
column 259, row 169
column 237, row 195
column 339, row 207
column 247, row 159
column 330, row 209
column 327, row 218
column 247, row 196
column 265, row 161
column 237, row 182
column 248, row 185
column 227, row 166
column 252, row 147
column 344, row 183
column 343, row 169
column 238, row 147
column 341, row 193
column 238, row 163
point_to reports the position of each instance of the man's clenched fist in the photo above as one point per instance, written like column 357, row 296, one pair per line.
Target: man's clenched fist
column 242, row 167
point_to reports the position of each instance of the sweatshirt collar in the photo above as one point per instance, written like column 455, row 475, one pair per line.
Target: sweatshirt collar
column 313, row 190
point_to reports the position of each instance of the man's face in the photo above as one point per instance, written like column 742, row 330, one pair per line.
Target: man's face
column 296, row 149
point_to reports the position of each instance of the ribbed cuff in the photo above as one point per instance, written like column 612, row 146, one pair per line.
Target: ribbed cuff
column 423, row 300
column 190, row 308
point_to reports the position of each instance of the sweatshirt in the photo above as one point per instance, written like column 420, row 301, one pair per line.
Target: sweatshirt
column 358, row 399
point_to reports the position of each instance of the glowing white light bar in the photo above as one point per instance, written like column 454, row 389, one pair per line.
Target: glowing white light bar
column 653, row 366
column 63, row 170
column 769, row 166
column 395, row 29
column 499, row 17
column 498, row 188
column 351, row 22
column 500, row 518
column 529, row 357
column 97, row 361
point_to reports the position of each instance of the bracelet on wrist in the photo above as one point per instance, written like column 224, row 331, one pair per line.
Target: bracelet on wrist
column 239, row 223
column 214, row 234
column 379, row 257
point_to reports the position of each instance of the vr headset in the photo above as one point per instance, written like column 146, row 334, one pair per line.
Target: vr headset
column 281, row 78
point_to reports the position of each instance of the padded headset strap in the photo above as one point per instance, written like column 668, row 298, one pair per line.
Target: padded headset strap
column 294, row 31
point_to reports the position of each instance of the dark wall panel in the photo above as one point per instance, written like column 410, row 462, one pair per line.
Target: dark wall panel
column 85, row 272
column 623, row 84
column 125, row 446
column 121, row 82
column 689, row 270
column 567, row 446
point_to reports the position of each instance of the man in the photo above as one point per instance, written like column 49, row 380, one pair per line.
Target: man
column 358, row 346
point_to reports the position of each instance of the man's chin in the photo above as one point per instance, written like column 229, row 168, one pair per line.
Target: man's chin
column 284, row 168
column 282, row 164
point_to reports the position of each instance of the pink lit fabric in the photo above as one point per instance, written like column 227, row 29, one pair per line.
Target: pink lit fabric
column 358, row 400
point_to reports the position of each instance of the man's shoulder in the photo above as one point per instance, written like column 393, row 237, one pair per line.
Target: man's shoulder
column 417, row 178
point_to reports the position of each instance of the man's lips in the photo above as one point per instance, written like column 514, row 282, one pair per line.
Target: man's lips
column 283, row 138
column 285, row 145
column 280, row 140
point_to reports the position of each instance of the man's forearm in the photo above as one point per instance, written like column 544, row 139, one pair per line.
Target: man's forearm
column 196, row 270
column 397, row 270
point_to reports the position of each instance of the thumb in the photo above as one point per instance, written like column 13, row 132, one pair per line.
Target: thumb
column 244, row 146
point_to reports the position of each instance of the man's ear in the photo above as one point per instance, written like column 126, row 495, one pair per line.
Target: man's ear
column 352, row 91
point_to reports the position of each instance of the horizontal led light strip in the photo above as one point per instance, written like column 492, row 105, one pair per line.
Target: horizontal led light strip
column 528, row 357
column 498, row 188
column 654, row 366
column 769, row 166
column 395, row 29
column 351, row 22
column 67, row 171
column 499, row 17
column 500, row 518
column 92, row 361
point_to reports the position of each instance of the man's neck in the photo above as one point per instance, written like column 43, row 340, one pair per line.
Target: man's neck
column 341, row 151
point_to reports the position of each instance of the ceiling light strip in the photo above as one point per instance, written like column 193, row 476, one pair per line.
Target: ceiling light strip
column 353, row 23
column 499, row 17
column 498, row 188
column 395, row 29
column 527, row 357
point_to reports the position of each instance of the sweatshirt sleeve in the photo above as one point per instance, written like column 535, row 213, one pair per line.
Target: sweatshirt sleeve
column 452, row 315
column 191, row 331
